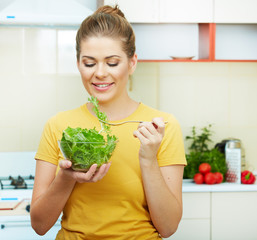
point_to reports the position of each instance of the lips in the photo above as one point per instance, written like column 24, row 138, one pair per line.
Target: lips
column 102, row 86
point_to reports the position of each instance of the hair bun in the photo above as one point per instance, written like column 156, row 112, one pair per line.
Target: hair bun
column 110, row 10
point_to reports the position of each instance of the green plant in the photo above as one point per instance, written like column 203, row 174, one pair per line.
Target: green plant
column 200, row 153
column 200, row 141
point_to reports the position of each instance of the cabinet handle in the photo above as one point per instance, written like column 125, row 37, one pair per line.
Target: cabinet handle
column 21, row 224
column 15, row 224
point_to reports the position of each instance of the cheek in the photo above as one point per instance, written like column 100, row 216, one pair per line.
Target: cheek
column 121, row 73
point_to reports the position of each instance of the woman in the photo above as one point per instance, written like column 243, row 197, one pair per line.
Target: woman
column 139, row 194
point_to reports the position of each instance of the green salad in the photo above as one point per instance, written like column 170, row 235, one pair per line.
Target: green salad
column 84, row 147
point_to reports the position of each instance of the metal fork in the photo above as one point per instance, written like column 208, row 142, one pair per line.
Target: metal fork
column 120, row 123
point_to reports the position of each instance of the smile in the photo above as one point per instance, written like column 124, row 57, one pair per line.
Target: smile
column 103, row 86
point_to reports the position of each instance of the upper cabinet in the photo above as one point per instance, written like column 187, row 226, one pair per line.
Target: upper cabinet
column 235, row 11
column 166, row 11
column 142, row 11
column 186, row 11
column 200, row 30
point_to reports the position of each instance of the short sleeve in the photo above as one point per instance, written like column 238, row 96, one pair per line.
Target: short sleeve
column 48, row 147
column 172, row 150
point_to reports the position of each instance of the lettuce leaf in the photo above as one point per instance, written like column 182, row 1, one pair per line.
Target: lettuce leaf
column 84, row 147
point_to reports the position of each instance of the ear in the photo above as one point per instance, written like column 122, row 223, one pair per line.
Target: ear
column 132, row 64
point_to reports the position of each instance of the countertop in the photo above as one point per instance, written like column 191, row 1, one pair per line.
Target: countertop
column 222, row 187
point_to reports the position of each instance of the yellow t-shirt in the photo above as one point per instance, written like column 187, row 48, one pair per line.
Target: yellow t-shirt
column 114, row 207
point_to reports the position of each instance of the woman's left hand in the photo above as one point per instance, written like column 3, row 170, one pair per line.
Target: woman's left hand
column 150, row 135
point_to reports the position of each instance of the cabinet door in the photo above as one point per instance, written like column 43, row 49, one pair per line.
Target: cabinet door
column 235, row 11
column 186, row 11
column 143, row 11
column 22, row 230
column 195, row 224
column 234, row 216
column 193, row 229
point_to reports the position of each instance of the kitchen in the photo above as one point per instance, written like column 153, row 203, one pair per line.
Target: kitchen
column 38, row 71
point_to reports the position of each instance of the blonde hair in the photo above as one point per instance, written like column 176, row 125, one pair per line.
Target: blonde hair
column 107, row 21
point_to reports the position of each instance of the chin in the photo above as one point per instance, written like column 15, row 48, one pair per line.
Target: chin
column 103, row 98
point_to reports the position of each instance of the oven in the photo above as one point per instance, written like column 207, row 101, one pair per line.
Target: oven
column 16, row 184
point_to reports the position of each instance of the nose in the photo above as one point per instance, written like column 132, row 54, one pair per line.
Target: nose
column 100, row 71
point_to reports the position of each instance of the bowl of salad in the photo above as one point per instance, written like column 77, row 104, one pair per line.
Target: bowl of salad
column 85, row 147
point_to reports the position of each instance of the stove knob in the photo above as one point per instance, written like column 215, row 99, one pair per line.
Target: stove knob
column 28, row 208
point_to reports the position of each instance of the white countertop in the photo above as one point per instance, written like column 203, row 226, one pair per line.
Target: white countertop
column 222, row 187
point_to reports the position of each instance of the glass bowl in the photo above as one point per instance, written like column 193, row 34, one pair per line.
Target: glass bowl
column 84, row 154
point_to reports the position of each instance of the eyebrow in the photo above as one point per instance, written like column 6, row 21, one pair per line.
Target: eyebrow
column 104, row 58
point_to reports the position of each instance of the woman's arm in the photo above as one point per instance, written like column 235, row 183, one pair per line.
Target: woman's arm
column 162, row 185
column 163, row 189
column 50, row 192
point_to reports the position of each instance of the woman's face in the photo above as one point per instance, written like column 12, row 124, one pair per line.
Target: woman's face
column 105, row 68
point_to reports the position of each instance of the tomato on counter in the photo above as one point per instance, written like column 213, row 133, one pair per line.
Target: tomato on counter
column 206, row 176
column 210, row 178
column 204, row 168
column 219, row 177
column 198, row 178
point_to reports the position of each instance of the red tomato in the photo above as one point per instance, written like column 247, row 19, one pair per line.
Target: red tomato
column 219, row 177
column 204, row 168
column 210, row 178
column 198, row 178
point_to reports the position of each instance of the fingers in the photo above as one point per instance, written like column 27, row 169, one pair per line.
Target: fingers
column 93, row 174
column 65, row 164
column 149, row 129
column 100, row 173
column 159, row 124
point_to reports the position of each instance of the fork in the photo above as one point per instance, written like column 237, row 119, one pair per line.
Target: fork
column 120, row 123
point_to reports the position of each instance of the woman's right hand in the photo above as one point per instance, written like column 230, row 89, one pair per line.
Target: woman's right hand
column 92, row 175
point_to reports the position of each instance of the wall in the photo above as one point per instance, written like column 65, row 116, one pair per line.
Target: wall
column 38, row 77
column 219, row 93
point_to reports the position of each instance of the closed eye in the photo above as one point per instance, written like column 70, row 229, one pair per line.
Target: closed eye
column 90, row 65
column 112, row 64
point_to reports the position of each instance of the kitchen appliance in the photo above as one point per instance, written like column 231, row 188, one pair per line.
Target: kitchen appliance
column 45, row 12
column 16, row 185
column 235, row 158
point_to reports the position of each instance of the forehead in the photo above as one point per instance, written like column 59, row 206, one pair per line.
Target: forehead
column 101, row 45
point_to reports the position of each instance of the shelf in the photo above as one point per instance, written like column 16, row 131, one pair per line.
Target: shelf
column 214, row 43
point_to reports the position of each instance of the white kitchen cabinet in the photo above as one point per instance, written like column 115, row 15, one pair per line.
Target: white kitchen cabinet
column 186, row 11
column 161, row 41
column 236, row 41
column 235, row 11
column 143, row 11
column 234, row 215
column 22, row 230
column 195, row 223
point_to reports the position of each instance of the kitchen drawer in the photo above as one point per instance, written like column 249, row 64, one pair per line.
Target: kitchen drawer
column 22, row 230
column 234, row 215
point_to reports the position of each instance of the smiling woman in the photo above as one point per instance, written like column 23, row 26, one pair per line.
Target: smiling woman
column 138, row 194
